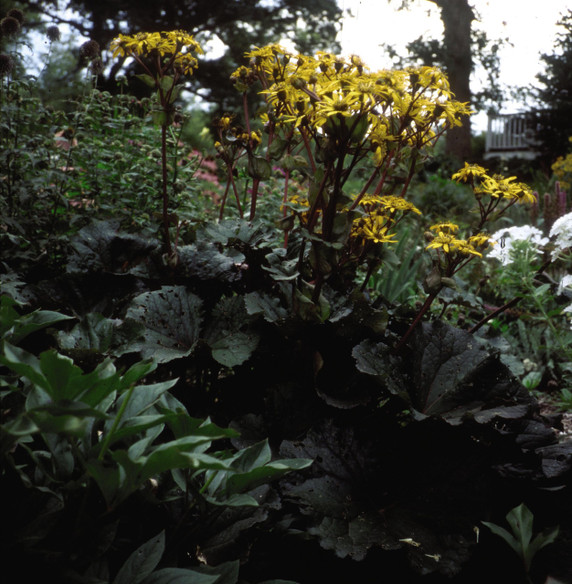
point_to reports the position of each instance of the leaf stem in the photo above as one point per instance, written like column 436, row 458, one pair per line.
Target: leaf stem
column 109, row 436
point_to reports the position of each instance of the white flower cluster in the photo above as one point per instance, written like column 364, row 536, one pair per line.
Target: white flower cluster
column 560, row 237
column 561, row 232
column 505, row 239
column 566, row 282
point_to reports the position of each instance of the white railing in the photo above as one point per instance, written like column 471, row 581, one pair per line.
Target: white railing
column 510, row 135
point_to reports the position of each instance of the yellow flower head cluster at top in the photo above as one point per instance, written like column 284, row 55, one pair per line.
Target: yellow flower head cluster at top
column 496, row 186
column 342, row 98
column 562, row 168
column 176, row 46
column 380, row 217
column 447, row 240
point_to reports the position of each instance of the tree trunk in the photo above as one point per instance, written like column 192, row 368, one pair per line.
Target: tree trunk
column 457, row 16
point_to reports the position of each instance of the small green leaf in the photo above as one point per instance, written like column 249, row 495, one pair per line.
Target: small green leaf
column 371, row 358
column 502, row 532
column 540, row 541
column 234, row 349
column 166, row 83
column 142, row 561
column 259, row 167
column 226, row 573
column 179, row 576
column 16, row 328
column 265, row 304
column 147, row 79
column 521, row 519
column 24, row 364
column 247, row 481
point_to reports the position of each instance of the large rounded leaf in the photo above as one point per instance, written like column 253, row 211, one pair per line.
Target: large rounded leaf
column 172, row 318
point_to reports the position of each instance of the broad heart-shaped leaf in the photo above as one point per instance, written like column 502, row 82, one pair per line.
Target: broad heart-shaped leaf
column 172, row 318
column 203, row 260
column 142, row 561
column 451, row 375
column 366, row 491
column 235, row 348
column 237, row 230
column 228, row 335
column 96, row 333
column 448, row 364
column 265, row 304
column 372, row 358
column 100, row 246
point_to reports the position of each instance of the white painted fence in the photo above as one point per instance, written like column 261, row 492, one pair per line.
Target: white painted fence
column 510, row 135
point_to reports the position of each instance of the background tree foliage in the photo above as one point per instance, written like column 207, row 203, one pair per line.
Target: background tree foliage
column 462, row 47
column 555, row 95
column 235, row 25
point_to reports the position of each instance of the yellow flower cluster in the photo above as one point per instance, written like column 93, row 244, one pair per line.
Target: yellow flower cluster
column 496, row 186
column 343, row 99
column 562, row 168
column 177, row 46
column 380, row 217
column 447, row 240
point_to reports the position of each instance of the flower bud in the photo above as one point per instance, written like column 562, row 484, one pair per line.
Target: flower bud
column 53, row 33
column 89, row 49
column 9, row 26
column 17, row 14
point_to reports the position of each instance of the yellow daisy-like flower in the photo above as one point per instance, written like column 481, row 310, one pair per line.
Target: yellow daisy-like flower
column 526, row 194
column 370, row 201
column 467, row 249
column 500, row 187
column 450, row 244
column 469, row 172
column 376, row 229
column 481, row 240
column 392, row 204
column 445, row 227
column 446, row 241
column 176, row 44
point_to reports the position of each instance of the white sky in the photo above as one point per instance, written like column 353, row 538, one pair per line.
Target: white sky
column 530, row 26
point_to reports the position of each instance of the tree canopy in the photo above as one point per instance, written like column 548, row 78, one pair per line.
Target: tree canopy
column 233, row 26
column 462, row 47
column 555, row 95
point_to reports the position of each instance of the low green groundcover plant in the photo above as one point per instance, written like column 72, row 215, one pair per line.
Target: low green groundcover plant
column 232, row 400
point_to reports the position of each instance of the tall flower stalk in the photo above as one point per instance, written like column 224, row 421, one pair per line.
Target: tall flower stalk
column 166, row 57
column 324, row 117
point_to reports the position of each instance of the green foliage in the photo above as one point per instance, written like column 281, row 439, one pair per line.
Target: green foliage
column 235, row 28
column 540, row 335
column 67, row 429
column 520, row 540
column 403, row 269
column 61, row 169
column 210, row 414
column 554, row 126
